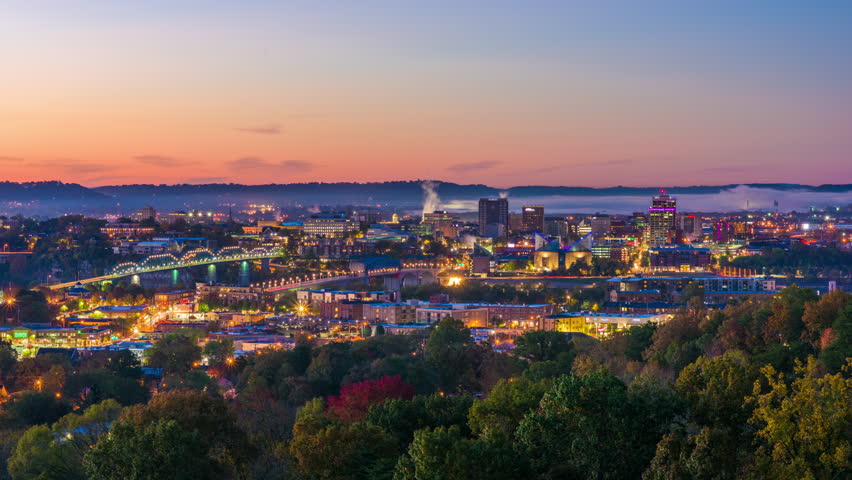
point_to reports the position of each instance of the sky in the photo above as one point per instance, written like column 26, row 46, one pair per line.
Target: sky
column 502, row 93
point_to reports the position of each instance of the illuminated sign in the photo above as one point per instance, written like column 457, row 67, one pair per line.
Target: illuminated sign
column 20, row 334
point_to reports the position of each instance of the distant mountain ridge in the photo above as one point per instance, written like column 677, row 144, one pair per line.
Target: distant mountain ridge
column 53, row 196
column 46, row 191
column 395, row 190
column 448, row 189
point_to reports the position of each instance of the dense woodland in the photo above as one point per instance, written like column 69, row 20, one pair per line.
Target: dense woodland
column 758, row 390
column 798, row 260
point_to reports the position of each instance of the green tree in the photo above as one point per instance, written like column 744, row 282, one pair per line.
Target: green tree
column 8, row 359
column 56, row 452
column 174, row 353
column 838, row 340
column 125, row 364
column 38, row 456
column 162, row 449
column 705, row 453
column 715, row 390
column 444, row 454
column 32, row 306
column 326, row 449
column 35, row 408
column 219, row 351
column 804, row 425
column 446, row 349
column 505, row 406
column 403, row 417
column 542, row 346
column 581, row 422
column 198, row 417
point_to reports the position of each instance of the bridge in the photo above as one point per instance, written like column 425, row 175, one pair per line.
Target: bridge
column 410, row 276
column 168, row 261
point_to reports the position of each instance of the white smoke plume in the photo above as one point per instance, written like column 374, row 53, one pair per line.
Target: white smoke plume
column 469, row 240
column 504, row 194
column 314, row 209
column 431, row 200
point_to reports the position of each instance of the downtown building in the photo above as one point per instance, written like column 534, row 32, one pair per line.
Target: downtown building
column 662, row 219
column 329, row 225
column 532, row 219
column 493, row 217
column 441, row 221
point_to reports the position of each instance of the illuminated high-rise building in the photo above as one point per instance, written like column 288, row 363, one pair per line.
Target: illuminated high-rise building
column 532, row 219
column 662, row 219
column 493, row 217
column 443, row 222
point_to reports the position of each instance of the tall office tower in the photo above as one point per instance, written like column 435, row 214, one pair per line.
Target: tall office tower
column 691, row 226
column 493, row 217
column 555, row 227
column 601, row 225
column 532, row 219
column 662, row 218
column 443, row 222
column 516, row 222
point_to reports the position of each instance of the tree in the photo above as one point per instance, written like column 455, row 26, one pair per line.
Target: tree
column 403, row 417
column 444, row 454
column 707, row 454
column 715, row 389
column 821, row 315
column 162, row 449
column 8, row 359
column 326, row 449
column 788, row 308
column 38, row 456
column 219, row 351
column 35, row 408
column 199, row 417
column 32, row 306
column 125, row 364
column 174, row 353
column 578, row 425
column 355, row 399
column 446, row 349
column 93, row 386
column 506, row 405
column 838, row 341
column 56, row 452
column 675, row 343
column 804, row 426
column 542, row 346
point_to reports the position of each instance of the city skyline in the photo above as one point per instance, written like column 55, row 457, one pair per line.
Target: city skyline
column 101, row 93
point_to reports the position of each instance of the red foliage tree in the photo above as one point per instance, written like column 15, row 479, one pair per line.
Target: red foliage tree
column 355, row 399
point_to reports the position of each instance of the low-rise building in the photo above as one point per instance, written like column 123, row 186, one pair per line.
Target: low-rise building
column 128, row 230
column 226, row 294
column 679, row 258
column 396, row 312
column 472, row 316
column 28, row 340
column 602, row 324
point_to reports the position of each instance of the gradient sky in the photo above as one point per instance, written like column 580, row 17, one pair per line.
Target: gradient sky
column 504, row 93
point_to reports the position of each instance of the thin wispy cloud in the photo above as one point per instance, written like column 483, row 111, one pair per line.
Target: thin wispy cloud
column 162, row 160
column 271, row 129
column 473, row 166
column 72, row 166
column 10, row 159
column 205, row 180
column 255, row 163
